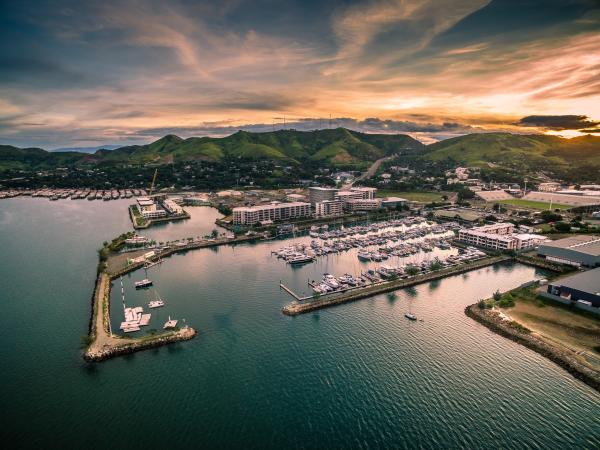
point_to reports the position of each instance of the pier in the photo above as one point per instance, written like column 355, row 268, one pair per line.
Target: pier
column 308, row 304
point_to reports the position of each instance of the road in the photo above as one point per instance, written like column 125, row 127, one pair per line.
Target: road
column 369, row 173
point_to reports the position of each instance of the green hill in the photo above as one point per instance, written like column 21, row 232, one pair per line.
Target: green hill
column 524, row 152
column 329, row 147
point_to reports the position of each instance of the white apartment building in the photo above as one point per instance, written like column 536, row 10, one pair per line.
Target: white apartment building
column 499, row 236
column 329, row 208
column 148, row 209
column 250, row 215
column 172, row 207
column 319, row 194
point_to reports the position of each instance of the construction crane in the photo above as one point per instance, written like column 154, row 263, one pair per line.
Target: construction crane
column 153, row 181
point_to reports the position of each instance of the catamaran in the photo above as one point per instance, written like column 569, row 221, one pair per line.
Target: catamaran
column 157, row 302
column 143, row 283
column 171, row 323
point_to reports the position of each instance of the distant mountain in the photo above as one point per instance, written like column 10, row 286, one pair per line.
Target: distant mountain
column 85, row 149
column 525, row 152
column 329, row 147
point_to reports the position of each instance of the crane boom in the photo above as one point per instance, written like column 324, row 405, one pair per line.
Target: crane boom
column 153, row 181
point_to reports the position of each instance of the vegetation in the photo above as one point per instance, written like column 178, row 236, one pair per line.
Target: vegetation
column 533, row 204
column 412, row 270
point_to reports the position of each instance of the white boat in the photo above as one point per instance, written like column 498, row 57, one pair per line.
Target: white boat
column 143, row 283
column 171, row 323
column 410, row 316
column 157, row 302
column 330, row 281
column 300, row 259
column 364, row 255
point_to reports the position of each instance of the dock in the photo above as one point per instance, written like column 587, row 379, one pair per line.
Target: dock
column 303, row 305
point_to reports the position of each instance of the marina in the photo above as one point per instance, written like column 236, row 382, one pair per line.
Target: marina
column 245, row 347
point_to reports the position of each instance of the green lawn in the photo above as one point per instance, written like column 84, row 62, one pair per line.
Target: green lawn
column 423, row 196
column 533, row 204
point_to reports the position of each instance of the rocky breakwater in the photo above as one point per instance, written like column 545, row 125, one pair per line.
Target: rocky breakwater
column 565, row 358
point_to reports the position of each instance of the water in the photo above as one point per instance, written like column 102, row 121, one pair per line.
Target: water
column 354, row 376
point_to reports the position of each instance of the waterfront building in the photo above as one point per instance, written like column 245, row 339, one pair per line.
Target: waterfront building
column 149, row 209
column 576, row 251
column 250, row 215
column 172, row 207
column 359, row 204
column 583, row 288
column 329, row 208
column 366, row 192
column 499, row 236
column 319, row 194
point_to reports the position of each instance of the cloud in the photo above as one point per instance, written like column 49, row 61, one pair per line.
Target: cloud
column 567, row 122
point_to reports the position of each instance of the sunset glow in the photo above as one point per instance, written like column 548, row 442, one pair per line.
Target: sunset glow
column 128, row 72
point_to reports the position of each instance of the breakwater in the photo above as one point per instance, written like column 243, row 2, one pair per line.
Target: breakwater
column 565, row 358
column 301, row 307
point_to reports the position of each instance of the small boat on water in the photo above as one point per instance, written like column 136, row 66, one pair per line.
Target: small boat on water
column 157, row 302
column 410, row 316
column 143, row 283
column 171, row 323
column 300, row 259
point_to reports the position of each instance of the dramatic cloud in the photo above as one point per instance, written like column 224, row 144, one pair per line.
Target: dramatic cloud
column 559, row 122
column 78, row 73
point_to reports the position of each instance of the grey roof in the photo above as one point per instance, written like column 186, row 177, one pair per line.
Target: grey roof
column 588, row 281
column 589, row 245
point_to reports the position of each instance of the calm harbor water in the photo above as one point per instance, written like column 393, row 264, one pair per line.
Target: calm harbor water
column 354, row 376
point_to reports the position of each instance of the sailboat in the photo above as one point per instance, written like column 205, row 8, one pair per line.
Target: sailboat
column 157, row 302
column 143, row 283
column 171, row 323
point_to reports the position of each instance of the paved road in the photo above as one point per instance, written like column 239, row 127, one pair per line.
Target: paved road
column 369, row 173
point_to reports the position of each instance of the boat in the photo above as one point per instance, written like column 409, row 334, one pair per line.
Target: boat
column 157, row 302
column 410, row 316
column 330, row 281
column 143, row 283
column 300, row 259
column 364, row 255
column 171, row 323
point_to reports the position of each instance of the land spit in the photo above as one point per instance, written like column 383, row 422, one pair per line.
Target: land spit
column 105, row 344
column 314, row 303
column 564, row 357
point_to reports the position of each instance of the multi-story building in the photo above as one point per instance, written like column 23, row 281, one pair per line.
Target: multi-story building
column 329, row 208
column 148, row 208
column 499, row 236
column 362, row 204
column 172, row 207
column 250, row 215
column 367, row 192
column 319, row 194
column 549, row 187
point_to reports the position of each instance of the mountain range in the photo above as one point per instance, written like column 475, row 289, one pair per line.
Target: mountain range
column 330, row 147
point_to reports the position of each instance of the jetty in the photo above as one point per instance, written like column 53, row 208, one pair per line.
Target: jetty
column 303, row 305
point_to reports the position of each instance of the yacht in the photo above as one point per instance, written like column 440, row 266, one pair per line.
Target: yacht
column 330, row 281
column 364, row 255
column 143, row 283
column 300, row 259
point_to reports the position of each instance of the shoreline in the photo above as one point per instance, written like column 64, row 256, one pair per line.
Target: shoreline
column 561, row 356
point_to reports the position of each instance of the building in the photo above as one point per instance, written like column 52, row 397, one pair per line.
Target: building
column 362, row 204
column 494, row 196
column 319, row 194
column 393, row 202
column 549, row 187
column 583, row 288
column 367, row 192
column 329, row 208
column 172, row 207
column 250, row 215
column 149, row 209
column 576, row 251
column 563, row 199
column 499, row 236
column 344, row 196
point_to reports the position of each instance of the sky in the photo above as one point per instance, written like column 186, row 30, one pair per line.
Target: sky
column 92, row 73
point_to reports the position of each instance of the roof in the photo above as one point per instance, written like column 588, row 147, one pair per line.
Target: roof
column 563, row 199
column 470, row 216
column 588, row 281
column 394, row 199
column 494, row 195
column 584, row 244
column 271, row 206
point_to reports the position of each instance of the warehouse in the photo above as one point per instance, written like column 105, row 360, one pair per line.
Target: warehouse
column 583, row 288
column 576, row 251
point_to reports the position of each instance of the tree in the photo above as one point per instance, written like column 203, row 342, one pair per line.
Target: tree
column 214, row 233
column 412, row 270
column 497, row 296
column 549, row 216
column 562, row 227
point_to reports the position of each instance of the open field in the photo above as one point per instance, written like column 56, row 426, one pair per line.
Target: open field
column 426, row 197
column 533, row 204
column 558, row 324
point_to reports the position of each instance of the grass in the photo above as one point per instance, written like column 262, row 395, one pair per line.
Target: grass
column 422, row 196
column 533, row 204
column 558, row 324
